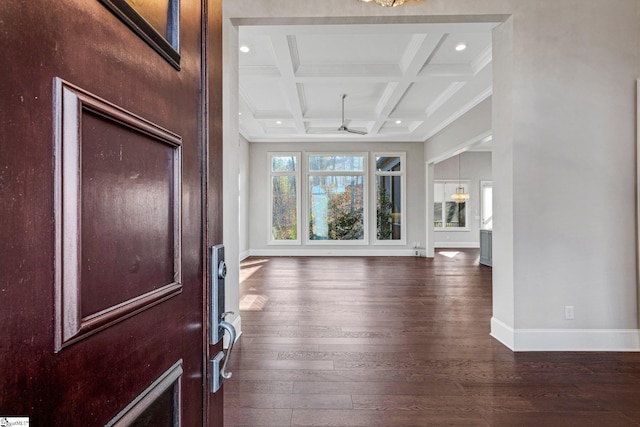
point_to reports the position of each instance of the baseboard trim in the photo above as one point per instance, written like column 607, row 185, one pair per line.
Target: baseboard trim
column 454, row 245
column 627, row 340
column 382, row 251
column 244, row 255
column 502, row 332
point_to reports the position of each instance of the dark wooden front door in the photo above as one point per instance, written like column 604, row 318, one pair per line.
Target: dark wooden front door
column 102, row 205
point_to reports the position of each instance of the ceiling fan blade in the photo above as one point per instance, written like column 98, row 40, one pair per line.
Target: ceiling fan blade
column 343, row 127
column 322, row 132
column 359, row 132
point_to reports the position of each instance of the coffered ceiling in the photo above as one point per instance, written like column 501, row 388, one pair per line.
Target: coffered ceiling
column 403, row 82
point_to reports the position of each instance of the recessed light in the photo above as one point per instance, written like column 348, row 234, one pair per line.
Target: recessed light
column 278, row 122
column 398, row 122
column 240, row 113
column 244, row 49
column 460, row 47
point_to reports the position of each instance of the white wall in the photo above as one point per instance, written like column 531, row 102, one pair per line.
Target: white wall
column 243, row 199
column 230, row 174
column 573, row 164
column 474, row 167
column 260, row 191
column 503, row 259
column 563, row 159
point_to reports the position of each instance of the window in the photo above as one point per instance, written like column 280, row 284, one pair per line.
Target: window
column 285, row 176
column 448, row 214
column 336, row 207
column 486, row 201
column 389, row 200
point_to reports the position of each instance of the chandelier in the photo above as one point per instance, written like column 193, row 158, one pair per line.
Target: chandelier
column 386, row 3
column 459, row 196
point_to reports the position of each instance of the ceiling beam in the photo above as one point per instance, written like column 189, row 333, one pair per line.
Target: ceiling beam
column 286, row 53
column 418, row 53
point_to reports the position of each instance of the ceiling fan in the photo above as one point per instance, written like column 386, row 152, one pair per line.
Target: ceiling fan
column 343, row 126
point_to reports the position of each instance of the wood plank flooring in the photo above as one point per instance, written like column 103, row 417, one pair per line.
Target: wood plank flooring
column 388, row 341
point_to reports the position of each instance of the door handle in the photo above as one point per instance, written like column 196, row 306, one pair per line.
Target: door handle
column 217, row 324
column 232, row 339
column 220, row 374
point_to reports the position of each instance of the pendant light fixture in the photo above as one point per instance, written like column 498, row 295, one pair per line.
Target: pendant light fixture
column 386, row 3
column 459, row 196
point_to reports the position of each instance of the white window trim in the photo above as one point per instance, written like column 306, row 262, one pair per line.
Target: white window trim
column 364, row 173
column 466, row 183
column 403, row 194
column 297, row 175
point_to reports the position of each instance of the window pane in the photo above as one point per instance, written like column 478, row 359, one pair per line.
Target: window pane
column 336, row 208
column 446, row 212
column 437, row 215
column 389, row 208
column 336, row 163
column 283, row 164
column 388, row 164
column 283, row 213
column 455, row 215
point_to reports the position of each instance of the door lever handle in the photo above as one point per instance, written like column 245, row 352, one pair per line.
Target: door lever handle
column 232, row 338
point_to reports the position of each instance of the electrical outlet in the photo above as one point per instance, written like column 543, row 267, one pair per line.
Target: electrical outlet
column 568, row 312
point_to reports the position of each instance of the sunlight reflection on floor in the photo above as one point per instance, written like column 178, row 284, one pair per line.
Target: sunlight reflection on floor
column 449, row 254
column 248, row 268
column 252, row 302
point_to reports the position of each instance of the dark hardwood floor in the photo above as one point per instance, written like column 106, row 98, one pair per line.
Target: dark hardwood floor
column 387, row 341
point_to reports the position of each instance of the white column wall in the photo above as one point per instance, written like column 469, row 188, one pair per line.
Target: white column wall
column 503, row 258
column 574, row 166
column 430, row 173
column 243, row 200
column 563, row 161
column 230, row 173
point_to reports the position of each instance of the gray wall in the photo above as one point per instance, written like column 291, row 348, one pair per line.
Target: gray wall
column 563, row 160
column 471, row 128
column 474, row 167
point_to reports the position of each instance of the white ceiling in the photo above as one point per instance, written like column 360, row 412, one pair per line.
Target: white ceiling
column 404, row 82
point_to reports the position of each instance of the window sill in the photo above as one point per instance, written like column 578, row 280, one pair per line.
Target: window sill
column 399, row 242
column 284, row 242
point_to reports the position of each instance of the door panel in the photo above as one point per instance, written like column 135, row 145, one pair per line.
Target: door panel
column 143, row 216
column 102, row 228
column 159, row 405
column 118, row 213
